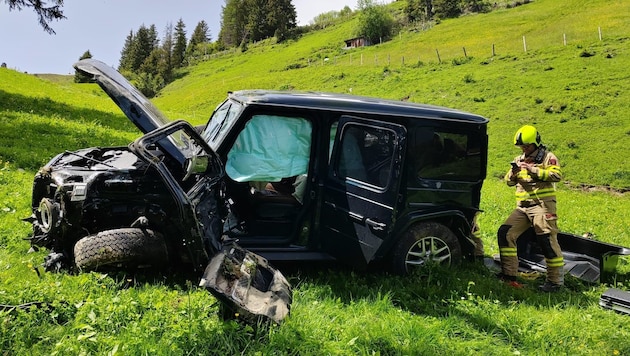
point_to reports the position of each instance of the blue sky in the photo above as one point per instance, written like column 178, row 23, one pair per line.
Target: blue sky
column 101, row 26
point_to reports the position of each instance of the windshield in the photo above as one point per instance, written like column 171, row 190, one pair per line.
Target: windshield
column 221, row 121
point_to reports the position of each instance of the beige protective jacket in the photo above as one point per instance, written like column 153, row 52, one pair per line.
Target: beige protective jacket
column 539, row 184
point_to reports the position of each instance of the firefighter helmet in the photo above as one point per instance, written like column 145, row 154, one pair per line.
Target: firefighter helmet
column 527, row 135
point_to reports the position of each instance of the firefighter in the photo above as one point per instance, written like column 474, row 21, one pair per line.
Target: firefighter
column 534, row 174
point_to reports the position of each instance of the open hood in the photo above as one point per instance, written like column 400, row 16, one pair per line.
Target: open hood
column 130, row 100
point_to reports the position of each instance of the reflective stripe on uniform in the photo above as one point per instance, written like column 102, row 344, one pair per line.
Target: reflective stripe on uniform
column 508, row 251
column 554, row 262
column 535, row 194
column 543, row 174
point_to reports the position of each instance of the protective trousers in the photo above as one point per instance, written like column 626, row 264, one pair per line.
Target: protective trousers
column 544, row 220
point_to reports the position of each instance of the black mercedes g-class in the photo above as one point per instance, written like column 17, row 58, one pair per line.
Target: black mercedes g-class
column 285, row 175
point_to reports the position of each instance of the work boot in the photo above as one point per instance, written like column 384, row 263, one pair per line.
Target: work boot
column 509, row 280
column 550, row 287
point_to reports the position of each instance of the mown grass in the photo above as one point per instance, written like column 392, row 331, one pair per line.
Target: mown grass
column 578, row 102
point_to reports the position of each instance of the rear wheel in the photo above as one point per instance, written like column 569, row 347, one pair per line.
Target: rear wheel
column 426, row 243
column 121, row 248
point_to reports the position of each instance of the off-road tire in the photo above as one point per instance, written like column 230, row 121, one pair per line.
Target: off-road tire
column 121, row 248
column 423, row 243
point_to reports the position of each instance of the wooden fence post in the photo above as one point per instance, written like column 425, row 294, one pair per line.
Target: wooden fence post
column 493, row 52
column 524, row 44
column 465, row 55
column 438, row 55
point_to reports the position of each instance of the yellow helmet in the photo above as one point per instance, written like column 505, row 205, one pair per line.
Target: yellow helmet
column 526, row 135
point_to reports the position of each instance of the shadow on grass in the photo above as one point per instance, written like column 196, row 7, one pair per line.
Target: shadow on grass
column 434, row 289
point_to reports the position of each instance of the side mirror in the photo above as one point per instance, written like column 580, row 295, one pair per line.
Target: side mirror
column 196, row 165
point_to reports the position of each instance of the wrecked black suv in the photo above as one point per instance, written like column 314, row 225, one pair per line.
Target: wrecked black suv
column 282, row 175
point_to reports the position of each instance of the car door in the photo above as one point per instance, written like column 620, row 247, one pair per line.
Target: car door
column 244, row 281
column 361, row 188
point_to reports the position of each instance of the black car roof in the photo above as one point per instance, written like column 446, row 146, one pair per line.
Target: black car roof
column 350, row 103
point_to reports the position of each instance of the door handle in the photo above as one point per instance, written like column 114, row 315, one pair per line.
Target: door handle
column 378, row 226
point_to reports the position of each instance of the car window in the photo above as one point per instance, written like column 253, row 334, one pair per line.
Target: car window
column 366, row 154
column 269, row 148
column 221, row 121
column 446, row 155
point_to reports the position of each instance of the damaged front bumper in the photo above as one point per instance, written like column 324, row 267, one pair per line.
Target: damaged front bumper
column 248, row 286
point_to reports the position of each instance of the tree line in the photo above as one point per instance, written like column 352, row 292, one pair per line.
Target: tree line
column 151, row 63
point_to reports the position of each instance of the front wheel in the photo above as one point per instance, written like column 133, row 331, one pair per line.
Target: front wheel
column 425, row 243
column 121, row 248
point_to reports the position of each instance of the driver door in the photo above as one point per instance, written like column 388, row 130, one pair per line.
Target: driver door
column 361, row 188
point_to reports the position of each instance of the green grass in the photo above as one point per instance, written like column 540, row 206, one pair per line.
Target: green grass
column 578, row 101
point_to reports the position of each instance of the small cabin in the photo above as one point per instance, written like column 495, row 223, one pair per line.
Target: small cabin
column 358, row 42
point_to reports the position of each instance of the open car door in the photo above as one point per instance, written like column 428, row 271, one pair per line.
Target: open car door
column 244, row 282
column 361, row 188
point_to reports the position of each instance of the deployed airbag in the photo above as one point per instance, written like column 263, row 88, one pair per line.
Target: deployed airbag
column 270, row 148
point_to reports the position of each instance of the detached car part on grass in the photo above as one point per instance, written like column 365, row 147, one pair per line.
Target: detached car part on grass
column 587, row 259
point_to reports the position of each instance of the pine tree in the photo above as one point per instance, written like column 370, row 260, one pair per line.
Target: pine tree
column 45, row 14
column 79, row 77
column 233, row 23
column 179, row 47
column 142, row 46
column 281, row 18
column 165, row 64
column 126, row 54
column 200, row 35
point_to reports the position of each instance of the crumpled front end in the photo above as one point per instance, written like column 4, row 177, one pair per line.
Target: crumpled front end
column 84, row 192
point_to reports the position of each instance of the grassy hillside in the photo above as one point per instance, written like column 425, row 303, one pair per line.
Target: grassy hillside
column 576, row 94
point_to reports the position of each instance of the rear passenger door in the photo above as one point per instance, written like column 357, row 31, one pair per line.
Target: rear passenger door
column 361, row 188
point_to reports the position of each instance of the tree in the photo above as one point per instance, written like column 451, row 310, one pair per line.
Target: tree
column 80, row 77
column 419, row 10
column 253, row 20
column 45, row 14
column 165, row 62
column 179, row 47
column 200, row 35
column 126, row 54
column 375, row 23
column 446, row 8
column 476, row 5
column 281, row 19
column 145, row 41
column 233, row 23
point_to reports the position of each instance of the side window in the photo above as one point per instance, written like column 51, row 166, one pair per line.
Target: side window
column 446, row 155
column 366, row 154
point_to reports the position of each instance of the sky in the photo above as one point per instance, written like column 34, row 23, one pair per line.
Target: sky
column 101, row 26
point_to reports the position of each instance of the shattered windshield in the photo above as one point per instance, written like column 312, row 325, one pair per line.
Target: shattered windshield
column 220, row 123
